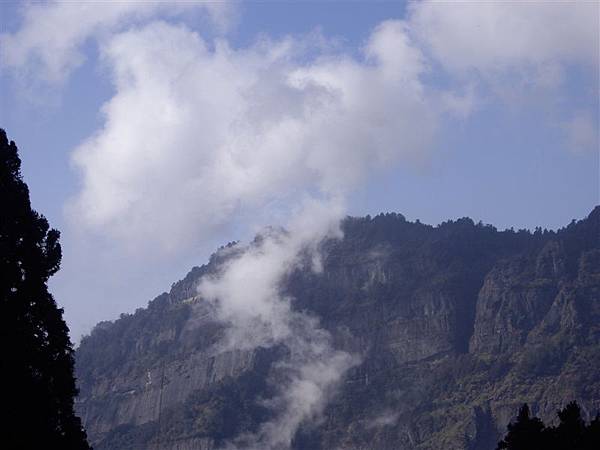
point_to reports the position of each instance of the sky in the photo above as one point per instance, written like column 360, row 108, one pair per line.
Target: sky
column 151, row 133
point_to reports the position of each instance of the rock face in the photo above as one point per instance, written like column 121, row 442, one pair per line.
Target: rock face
column 456, row 326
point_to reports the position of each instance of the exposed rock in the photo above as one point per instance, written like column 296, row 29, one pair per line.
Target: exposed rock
column 457, row 325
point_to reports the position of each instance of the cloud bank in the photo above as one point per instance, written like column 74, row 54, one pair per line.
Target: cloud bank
column 199, row 134
column 227, row 131
column 195, row 136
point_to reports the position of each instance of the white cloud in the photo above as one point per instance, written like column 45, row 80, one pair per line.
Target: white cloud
column 494, row 37
column 195, row 136
column 520, row 54
column 48, row 44
column 198, row 134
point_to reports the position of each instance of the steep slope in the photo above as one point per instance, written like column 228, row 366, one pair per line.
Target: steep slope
column 456, row 325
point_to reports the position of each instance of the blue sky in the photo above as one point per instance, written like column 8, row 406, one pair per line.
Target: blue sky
column 436, row 111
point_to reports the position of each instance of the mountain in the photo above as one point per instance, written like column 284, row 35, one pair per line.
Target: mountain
column 456, row 326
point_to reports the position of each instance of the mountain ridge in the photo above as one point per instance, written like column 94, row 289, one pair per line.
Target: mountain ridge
column 456, row 325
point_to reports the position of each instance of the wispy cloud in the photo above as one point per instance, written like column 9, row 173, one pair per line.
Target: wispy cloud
column 246, row 296
column 386, row 418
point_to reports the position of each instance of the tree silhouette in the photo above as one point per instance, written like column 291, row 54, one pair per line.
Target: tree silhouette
column 36, row 353
column 570, row 434
column 591, row 436
column 524, row 434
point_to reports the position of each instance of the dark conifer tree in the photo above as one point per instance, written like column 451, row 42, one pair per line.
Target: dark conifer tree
column 591, row 435
column 36, row 371
column 570, row 434
column 525, row 433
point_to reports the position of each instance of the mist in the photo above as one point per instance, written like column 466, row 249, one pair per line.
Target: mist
column 247, row 297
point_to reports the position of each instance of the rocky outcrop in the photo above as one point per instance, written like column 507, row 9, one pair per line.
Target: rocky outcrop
column 456, row 326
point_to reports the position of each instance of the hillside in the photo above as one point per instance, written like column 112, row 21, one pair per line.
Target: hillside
column 455, row 325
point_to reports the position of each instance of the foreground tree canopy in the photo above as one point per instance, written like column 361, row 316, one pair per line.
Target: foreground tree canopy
column 572, row 433
column 37, row 355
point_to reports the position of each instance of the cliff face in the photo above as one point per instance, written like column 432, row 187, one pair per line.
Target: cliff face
column 456, row 326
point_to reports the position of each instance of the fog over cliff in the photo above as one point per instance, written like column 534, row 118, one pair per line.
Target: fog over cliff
column 247, row 297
